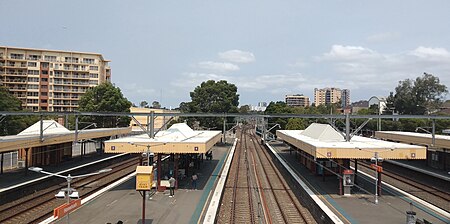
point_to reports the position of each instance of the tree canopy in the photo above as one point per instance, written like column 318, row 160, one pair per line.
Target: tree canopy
column 12, row 125
column 105, row 98
column 212, row 97
column 420, row 96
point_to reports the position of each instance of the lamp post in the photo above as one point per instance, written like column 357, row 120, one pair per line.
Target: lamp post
column 67, row 192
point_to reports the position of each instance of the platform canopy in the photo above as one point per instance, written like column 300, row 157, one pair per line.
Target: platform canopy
column 323, row 141
column 441, row 141
column 179, row 138
column 53, row 133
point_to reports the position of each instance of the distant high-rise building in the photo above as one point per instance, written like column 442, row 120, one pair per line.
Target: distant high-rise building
column 345, row 98
column 331, row 95
column 262, row 104
column 297, row 100
column 50, row 80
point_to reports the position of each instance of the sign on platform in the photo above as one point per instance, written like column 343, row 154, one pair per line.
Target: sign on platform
column 144, row 178
column 64, row 209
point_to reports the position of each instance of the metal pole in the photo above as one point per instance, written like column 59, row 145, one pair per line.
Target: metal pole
column 41, row 129
column 143, row 207
column 433, row 133
column 148, row 124
column 69, row 179
column 347, row 127
column 224, row 130
column 152, row 124
column 376, row 177
column 76, row 129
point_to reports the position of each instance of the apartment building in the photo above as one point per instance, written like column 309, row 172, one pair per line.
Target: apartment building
column 331, row 95
column 51, row 80
column 297, row 100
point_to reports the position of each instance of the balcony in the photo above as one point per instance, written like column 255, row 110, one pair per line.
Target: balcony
column 18, row 58
column 15, row 81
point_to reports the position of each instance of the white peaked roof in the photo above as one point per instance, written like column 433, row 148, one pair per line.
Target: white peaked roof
column 177, row 132
column 322, row 132
column 49, row 127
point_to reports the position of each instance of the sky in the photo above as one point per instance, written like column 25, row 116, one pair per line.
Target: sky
column 162, row 50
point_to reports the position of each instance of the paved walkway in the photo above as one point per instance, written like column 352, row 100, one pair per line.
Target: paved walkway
column 124, row 203
column 359, row 207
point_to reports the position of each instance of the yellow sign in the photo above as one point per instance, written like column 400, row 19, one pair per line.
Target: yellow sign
column 144, row 178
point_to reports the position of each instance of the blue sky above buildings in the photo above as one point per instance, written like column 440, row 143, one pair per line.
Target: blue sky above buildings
column 161, row 50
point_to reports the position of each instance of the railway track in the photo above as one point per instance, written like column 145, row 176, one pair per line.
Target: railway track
column 284, row 206
column 255, row 191
column 435, row 196
column 40, row 205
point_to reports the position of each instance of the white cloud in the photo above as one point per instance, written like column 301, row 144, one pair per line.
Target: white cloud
column 383, row 37
column 428, row 53
column 237, row 56
column 218, row 66
column 368, row 70
column 349, row 53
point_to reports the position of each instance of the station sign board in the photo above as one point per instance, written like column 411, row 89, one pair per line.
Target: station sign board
column 65, row 209
column 144, row 178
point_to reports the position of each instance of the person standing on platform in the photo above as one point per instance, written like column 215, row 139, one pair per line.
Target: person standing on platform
column 172, row 186
column 194, row 181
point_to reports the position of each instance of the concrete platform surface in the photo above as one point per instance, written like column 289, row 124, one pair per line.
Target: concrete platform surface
column 360, row 206
column 124, row 203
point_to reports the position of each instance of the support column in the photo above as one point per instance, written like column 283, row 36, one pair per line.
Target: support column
column 224, row 130
column 1, row 171
column 176, row 171
column 158, row 183
column 26, row 160
column 76, row 129
column 356, row 171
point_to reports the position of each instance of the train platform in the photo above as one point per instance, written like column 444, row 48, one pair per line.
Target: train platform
column 421, row 166
column 359, row 207
column 124, row 203
column 18, row 177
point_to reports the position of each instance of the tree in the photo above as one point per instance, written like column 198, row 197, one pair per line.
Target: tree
column 12, row 125
column 244, row 109
column 156, row 104
column 212, row 97
column 105, row 98
column 143, row 104
column 421, row 96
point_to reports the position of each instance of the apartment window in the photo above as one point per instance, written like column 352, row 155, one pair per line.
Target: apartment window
column 93, row 68
column 32, row 64
column 88, row 60
column 93, row 75
column 71, row 59
column 35, row 94
column 33, row 72
column 66, row 67
column 93, row 82
column 33, row 79
column 49, row 58
column 44, row 101
column 32, row 101
column 33, row 86
column 16, row 56
column 34, row 57
column 44, row 79
column 44, row 72
column 43, row 94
